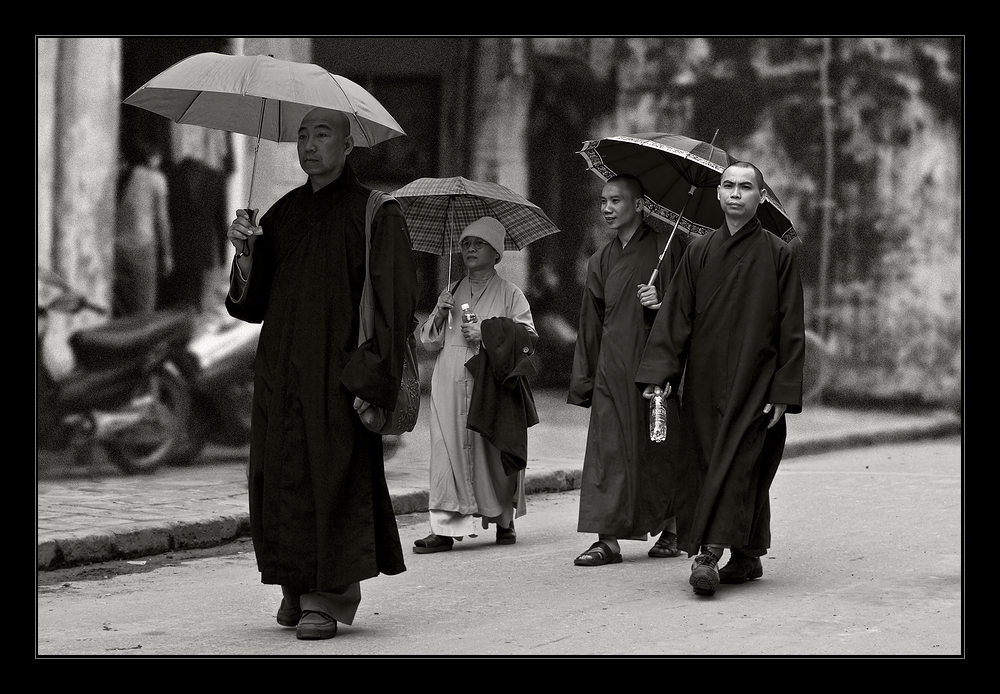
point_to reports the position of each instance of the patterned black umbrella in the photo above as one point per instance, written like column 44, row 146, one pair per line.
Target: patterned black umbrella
column 680, row 176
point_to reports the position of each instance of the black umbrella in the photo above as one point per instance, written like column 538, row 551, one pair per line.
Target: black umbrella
column 680, row 176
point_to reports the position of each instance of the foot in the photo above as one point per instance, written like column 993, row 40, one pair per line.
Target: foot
column 506, row 536
column 433, row 543
column 741, row 568
column 316, row 625
column 599, row 554
column 666, row 546
column 705, row 574
column 288, row 616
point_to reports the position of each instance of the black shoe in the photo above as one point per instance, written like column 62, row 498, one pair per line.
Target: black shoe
column 433, row 543
column 316, row 625
column 741, row 568
column 506, row 536
column 288, row 616
column 705, row 574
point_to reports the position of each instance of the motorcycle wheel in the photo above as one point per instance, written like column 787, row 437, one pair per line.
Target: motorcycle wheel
column 163, row 434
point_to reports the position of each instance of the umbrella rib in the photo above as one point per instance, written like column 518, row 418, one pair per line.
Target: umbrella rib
column 354, row 112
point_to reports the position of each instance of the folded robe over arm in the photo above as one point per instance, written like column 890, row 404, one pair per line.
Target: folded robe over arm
column 502, row 406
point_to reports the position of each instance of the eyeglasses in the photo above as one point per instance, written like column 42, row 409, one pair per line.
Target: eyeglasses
column 476, row 244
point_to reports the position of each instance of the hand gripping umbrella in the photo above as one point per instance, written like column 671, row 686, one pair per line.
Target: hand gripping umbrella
column 680, row 175
column 260, row 96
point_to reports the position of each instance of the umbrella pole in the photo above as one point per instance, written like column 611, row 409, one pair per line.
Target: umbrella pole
column 253, row 168
column 656, row 270
column 449, row 278
column 448, row 286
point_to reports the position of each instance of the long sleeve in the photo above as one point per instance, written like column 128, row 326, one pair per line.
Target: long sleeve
column 588, row 340
column 786, row 387
column 666, row 348
column 248, row 295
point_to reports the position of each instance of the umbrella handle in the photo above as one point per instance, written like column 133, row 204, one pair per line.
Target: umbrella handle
column 251, row 215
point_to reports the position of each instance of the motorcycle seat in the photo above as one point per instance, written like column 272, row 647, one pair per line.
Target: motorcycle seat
column 131, row 335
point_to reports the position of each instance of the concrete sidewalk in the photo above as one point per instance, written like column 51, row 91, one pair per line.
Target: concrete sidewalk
column 98, row 514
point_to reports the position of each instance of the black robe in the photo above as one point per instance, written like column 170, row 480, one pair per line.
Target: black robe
column 502, row 408
column 320, row 512
column 733, row 314
column 624, row 489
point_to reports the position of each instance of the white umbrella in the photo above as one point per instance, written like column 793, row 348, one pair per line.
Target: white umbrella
column 262, row 97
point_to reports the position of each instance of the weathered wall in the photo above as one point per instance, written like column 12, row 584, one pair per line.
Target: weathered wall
column 78, row 86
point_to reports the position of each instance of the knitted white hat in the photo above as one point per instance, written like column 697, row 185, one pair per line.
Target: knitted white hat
column 490, row 230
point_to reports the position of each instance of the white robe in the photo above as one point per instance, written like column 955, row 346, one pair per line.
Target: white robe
column 467, row 479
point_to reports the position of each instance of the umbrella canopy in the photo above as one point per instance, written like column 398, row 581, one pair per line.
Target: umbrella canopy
column 680, row 175
column 260, row 96
column 437, row 210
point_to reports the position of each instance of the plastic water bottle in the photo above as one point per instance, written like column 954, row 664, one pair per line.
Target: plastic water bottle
column 657, row 417
column 467, row 315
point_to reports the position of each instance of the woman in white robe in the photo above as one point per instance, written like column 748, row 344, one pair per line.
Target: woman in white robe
column 467, row 479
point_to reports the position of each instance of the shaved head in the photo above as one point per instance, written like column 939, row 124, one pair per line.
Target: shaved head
column 337, row 120
column 324, row 141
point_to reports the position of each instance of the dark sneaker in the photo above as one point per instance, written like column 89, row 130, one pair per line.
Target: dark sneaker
column 705, row 574
column 315, row 625
column 288, row 616
column 506, row 536
column 741, row 568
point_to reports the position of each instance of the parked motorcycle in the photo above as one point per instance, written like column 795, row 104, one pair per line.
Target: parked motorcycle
column 127, row 394
column 223, row 387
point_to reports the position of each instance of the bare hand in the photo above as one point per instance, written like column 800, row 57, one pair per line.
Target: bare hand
column 648, row 296
column 473, row 332
column 779, row 410
column 367, row 413
column 445, row 303
column 651, row 389
column 242, row 232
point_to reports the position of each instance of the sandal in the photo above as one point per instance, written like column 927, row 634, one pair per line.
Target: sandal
column 665, row 547
column 432, row 543
column 599, row 554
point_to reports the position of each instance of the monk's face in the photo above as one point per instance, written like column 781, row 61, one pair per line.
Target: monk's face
column 619, row 205
column 323, row 145
column 740, row 192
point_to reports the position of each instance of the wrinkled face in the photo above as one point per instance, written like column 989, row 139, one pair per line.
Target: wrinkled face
column 739, row 192
column 323, row 145
column 477, row 254
column 619, row 205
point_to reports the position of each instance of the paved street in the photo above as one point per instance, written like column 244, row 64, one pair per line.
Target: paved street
column 866, row 560
column 94, row 514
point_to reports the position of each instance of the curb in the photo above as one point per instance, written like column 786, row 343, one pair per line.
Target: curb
column 836, row 442
column 146, row 539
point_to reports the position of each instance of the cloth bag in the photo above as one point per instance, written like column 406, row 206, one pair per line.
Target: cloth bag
column 404, row 417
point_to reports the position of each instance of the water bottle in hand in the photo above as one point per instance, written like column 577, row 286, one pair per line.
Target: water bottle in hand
column 657, row 417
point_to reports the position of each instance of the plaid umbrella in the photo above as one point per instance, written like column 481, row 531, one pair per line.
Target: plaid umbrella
column 438, row 210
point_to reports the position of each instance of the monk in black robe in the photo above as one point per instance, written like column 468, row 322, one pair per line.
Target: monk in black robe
column 733, row 314
column 624, row 490
column 320, row 513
